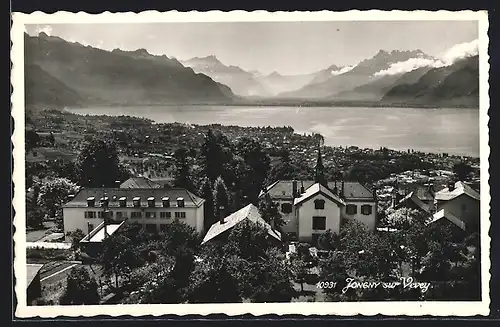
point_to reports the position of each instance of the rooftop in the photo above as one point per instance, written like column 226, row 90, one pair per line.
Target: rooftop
column 250, row 212
column 352, row 190
column 140, row 182
column 447, row 215
column 315, row 189
column 460, row 188
column 114, row 194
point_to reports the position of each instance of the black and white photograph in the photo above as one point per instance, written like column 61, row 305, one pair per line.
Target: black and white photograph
column 239, row 162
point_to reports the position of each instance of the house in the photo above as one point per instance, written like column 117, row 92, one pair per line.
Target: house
column 461, row 201
column 247, row 213
column 310, row 208
column 33, row 285
column 154, row 208
column 458, row 203
column 140, row 182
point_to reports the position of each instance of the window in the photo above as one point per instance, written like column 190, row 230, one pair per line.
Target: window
column 91, row 227
column 165, row 202
column 136, row 214
column 180, row 214
column 151, row 202
column 165, row 214
column 90, row 214
column 180, row 202
column 123, row 202
column 351, row 209
column 137, row 202
column 100, row 214
column 319, row 223
column 319, row 204
column 366, row 209
column 286, row 207
column 150, row 214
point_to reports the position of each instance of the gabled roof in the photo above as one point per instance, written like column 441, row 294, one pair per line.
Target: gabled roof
column 352, row 190
column 249, row 212
column 32, row 270
column 442, row 214
column 460, row 188
column 318, row 189
column 140, row 182
column 412, row 196
column 114, row 194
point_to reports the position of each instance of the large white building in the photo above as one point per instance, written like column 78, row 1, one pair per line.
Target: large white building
column 310, row 209
column 154, row 208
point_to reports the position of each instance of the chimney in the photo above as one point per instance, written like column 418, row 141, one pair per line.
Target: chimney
column 71, row 197
column 302, row 190
column 451, row 186
column 221, row 215
column 342, row 189
column 294, row 188
column 374, row 193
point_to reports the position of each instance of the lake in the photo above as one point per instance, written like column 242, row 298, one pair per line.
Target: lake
column 455, row 131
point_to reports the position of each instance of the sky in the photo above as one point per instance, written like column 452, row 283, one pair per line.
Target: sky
column 285, row 47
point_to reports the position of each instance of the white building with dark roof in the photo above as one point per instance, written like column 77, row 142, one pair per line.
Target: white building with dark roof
column 154, row 208
column 310, row 209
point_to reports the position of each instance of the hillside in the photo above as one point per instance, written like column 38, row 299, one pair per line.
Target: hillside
column 116, row 77
column 277, row 83
column 241, row 82
column 457, row 84
column 375, row 91
column 360, row 74
column 45, row 91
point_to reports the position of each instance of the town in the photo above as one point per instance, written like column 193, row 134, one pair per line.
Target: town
column 125, row 210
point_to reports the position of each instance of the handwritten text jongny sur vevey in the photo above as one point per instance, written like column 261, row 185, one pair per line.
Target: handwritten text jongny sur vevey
column 405, row 282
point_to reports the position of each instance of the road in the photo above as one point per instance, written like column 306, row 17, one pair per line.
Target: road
column 52, row 272
column 48, row 245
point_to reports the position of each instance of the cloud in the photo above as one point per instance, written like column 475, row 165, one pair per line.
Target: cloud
column 457, row 52
column 342, row 70
column 47, row 29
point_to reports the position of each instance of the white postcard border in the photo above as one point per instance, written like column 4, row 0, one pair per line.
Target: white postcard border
column 435, row 308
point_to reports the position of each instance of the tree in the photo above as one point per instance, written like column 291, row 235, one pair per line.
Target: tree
column 269, row 211
column 258, row 163
column 206, row 192
column 99, row 165
column 329, row 240
column 32, row 139
column 299, row 269
column 118, row 258
column 81, row 288
column 212, row 281
column 182, row 177
column 248, row 240
column 215, row 156
column 334, row 269
column 34, row 213
column 462, row 170
column 51, row 139
column 53, row 194
column 221, row 199
column 76, row 236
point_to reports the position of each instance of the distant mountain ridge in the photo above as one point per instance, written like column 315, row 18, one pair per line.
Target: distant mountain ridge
column 241, row 82
column 450, row 85
column 362, row 73
column 88, row 75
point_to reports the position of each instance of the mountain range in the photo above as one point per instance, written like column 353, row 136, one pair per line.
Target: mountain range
column 62, row 74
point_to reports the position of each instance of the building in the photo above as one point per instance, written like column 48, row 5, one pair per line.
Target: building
column 154, row 208
column 33, row 285
column 461, row 201
column 310, row 208
column 247, row 213
column 457, row 203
